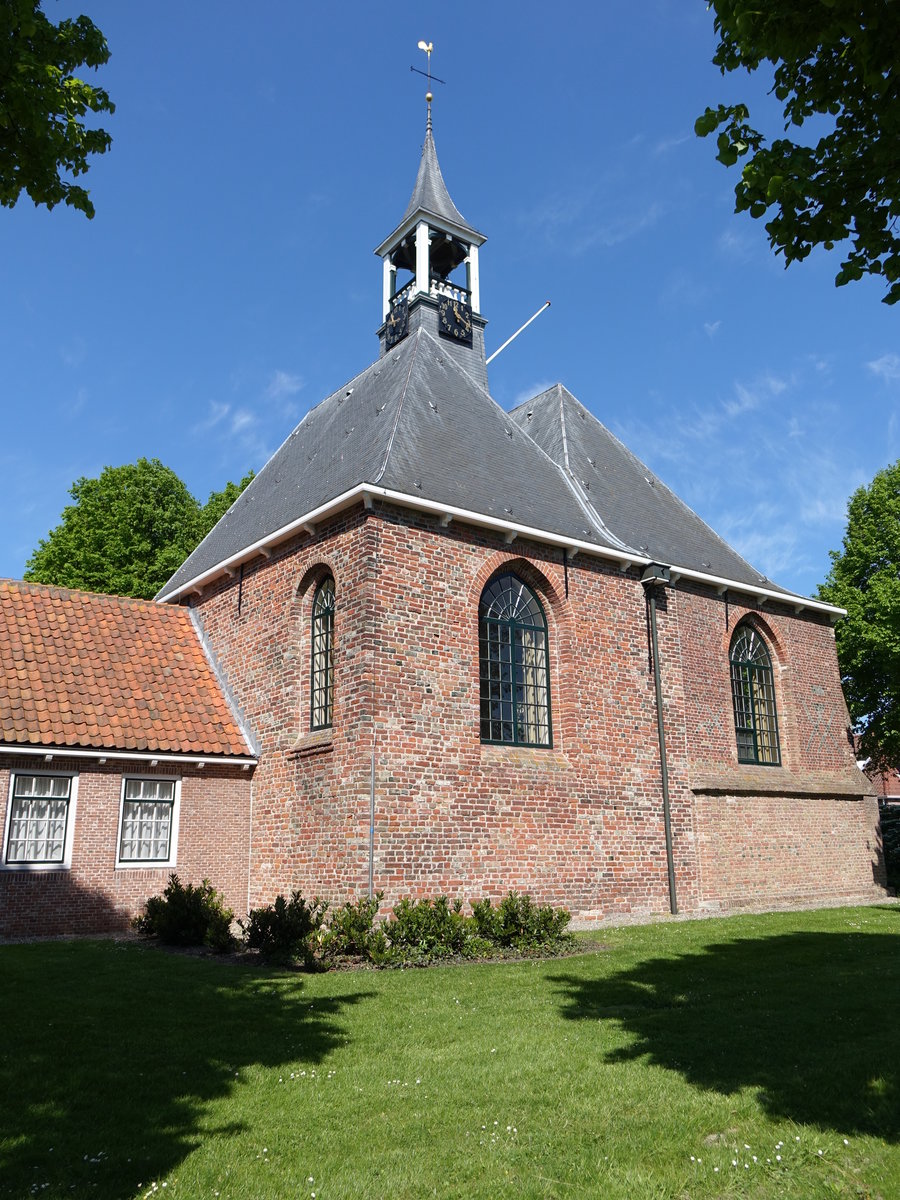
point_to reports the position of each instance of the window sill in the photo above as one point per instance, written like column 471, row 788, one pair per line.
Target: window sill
column 759, row 780
column 146, row 866
column 544, row 758
column 34, row 868
column 318, row 741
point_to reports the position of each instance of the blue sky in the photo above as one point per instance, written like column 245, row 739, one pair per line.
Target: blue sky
column 260, row 153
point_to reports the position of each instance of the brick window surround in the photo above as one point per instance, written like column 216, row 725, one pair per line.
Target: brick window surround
column 321, row 691
column 513, row 664
column 753, row 696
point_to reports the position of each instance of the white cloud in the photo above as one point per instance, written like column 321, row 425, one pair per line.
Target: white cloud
column 711, row 328
column 736, row 245
column 887, row 367
column 283, row 383
column 217, row 414
column 74, row 352
column 242, row 420
column 666, row 144
column 620, row 228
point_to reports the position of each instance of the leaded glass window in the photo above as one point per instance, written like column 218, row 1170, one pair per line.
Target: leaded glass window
column 39, row 813
column 322, row 684
column 515, row 677
column 148, row 807
column 753, row 692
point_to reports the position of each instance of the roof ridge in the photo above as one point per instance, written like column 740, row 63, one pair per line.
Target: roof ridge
column 678, row 500
column 35, row 587
column 390, row 444
column 589, row 510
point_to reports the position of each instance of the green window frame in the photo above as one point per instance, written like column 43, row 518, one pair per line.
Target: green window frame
column 753, row 694
column 514, row 666
column 321, row 689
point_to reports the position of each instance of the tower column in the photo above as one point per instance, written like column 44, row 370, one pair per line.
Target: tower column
column 474, row 281
column 387, row 285
column 422, row 281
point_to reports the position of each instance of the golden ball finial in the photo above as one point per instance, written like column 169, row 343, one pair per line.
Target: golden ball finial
column 429, row 97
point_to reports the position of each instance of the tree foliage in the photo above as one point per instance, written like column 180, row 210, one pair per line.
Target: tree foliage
column 865, row 579
column 128, row 531
column 42, row 105
column 835, row 66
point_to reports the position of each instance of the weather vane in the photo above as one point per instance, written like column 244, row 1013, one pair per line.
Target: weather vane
column 428, row 47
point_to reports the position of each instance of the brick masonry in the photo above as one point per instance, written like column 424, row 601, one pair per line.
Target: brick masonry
column 96, row 896
column 579, row 824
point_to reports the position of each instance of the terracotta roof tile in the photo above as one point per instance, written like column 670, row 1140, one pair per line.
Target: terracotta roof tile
column 105, row 672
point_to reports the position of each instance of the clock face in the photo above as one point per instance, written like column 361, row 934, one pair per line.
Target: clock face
column 396, row 325
column 455, row 320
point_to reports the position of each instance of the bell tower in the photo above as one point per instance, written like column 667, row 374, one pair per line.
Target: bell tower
column 430, row 267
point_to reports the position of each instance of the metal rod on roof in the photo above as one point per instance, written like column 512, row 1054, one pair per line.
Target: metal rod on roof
column 518, row 331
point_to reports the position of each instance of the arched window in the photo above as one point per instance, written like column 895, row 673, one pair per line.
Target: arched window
column 515, row 680
column 753, row 692
column 322, row 644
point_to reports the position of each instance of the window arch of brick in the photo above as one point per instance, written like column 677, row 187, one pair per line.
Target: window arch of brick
column 753, row 697
column 514, row 667
column 321, row 642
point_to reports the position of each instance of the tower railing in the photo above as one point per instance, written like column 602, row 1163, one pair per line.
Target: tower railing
column 438, row 287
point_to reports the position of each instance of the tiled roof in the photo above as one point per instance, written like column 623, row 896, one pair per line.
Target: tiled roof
column 103, row 672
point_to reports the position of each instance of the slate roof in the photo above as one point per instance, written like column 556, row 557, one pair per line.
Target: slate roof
column 623, row 492
column 430, row 195
column 85, row 671
column 430, row 192
column 413, row 422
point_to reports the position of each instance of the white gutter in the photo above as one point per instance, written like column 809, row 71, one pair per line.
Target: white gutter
column 200, row 760
column 512, row 530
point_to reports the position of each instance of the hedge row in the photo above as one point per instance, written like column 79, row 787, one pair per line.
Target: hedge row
column 296, row 930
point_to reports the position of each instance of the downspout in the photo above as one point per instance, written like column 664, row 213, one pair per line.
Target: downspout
column 658, row 575
column 374, row 721
column 250, row 846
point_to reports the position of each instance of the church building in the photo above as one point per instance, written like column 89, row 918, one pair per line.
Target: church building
column 436, row 647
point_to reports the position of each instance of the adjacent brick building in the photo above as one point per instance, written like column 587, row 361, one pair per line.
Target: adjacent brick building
column 436, row 619
column 121, row 760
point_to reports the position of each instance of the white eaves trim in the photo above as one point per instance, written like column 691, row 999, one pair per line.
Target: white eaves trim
column 446, row 512
column 199, row 760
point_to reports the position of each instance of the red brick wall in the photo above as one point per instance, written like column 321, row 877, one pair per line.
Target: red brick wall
column 794, row 850
column 579, row 824
column 93, row 895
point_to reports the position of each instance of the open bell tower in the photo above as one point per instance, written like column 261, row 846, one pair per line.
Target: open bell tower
column 430, row 267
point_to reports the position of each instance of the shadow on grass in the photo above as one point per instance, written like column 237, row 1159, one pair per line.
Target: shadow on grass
column 807, row 1019
column 112, row 1053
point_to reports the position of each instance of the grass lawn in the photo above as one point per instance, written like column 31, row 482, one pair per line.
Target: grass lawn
column 753, row 1056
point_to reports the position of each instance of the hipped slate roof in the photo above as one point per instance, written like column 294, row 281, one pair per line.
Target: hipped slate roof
column 414, row 422
column 84, row 671
column 635, row 505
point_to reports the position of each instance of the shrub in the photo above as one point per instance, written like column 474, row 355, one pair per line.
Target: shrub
column 517, row 922
column 350, row 930
column 286, row 931
column 422, row 930
column 185, row 915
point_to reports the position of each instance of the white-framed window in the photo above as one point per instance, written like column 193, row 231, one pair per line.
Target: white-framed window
column 148, row 822
column 40, row 819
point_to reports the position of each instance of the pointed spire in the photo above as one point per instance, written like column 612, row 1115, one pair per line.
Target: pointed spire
column 430, row 193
